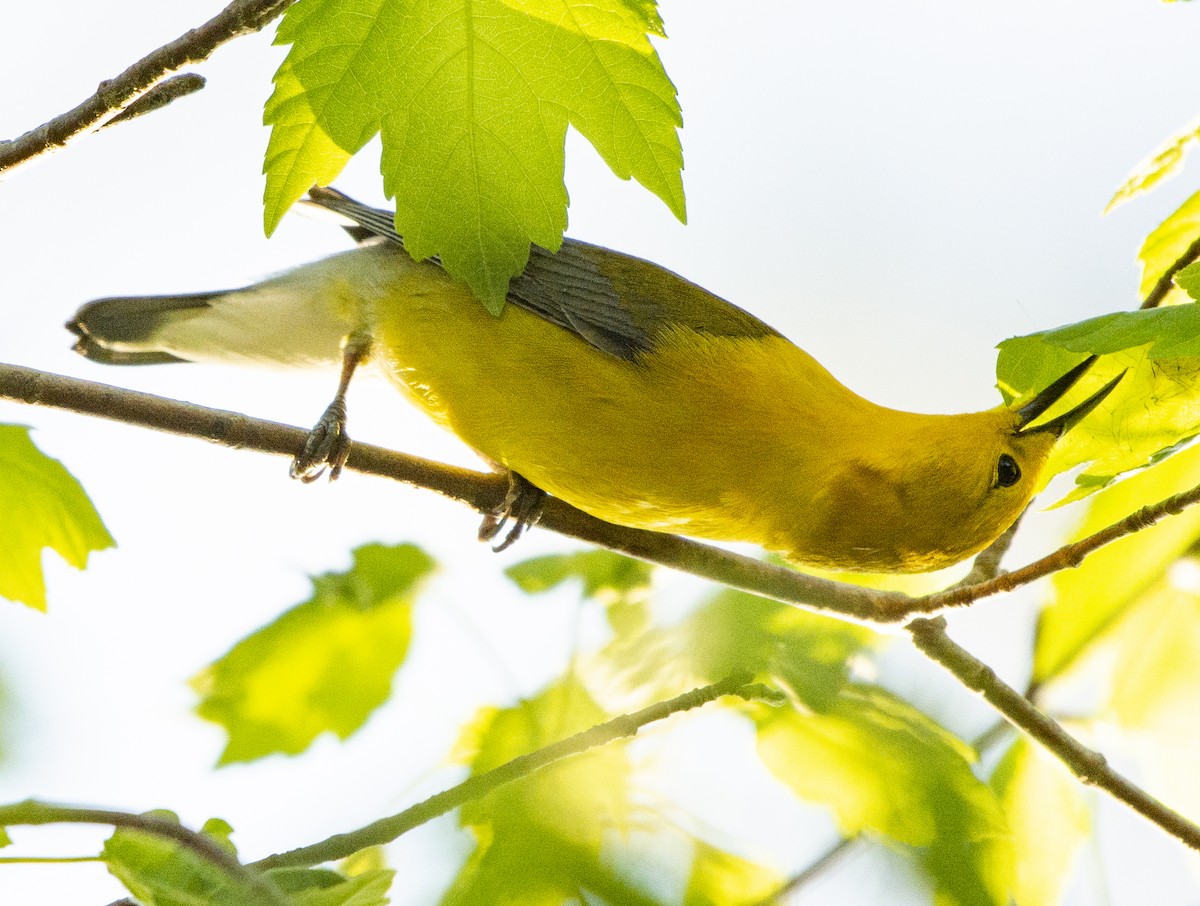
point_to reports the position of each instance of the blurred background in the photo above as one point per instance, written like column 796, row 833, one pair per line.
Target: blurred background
column 896, row 187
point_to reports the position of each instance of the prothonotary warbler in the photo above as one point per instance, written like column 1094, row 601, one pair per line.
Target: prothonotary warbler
column 626, row 391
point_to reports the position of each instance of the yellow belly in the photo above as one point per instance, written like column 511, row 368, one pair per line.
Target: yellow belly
column 661, row 443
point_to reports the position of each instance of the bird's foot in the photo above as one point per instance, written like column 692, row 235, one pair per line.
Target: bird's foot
column 327, row 446
column 522, row 504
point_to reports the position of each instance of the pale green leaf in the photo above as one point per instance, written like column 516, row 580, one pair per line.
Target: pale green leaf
column 1163, row 162
column 883, row 767
column 720, row 878
column 736, row 632
column 162, row 872
column 324, row 665
column 620, row 583
column 539, row 840
column 1156, row 659
column 1167, row 243
column 1154, row 698
column 300, row 152
column 1188, row 279
column 472, row 101
column 1049, row 819
column 41, row 506
column 1155, row 408
column 322, row 887
column 1087, row 601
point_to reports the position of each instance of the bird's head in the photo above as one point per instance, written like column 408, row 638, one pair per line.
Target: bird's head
column 1000, row 456
column 931, row 490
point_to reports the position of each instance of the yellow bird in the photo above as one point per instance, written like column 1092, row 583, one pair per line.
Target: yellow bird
column 626, row 391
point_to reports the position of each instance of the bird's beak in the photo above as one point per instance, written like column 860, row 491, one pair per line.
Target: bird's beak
column 1052, row 394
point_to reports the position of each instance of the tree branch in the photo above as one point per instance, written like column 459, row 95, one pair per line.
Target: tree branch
column 33, row 812
column 1090, row 767
column 1066, row 557
column 478, row 490
column 115, row 95
column 483, row 491
column 387, row 829
column 785, row 585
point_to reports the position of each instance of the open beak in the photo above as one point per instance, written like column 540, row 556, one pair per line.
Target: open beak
column 1052, row 394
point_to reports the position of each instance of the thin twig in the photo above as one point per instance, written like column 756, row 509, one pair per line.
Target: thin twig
column 1166, row 282
column 1067, row 557
column 165, row 92
column 114, row 95
column 1090, row 767
column 987, row 562
column 387, row 829
column 32, row 812
column 481, row 491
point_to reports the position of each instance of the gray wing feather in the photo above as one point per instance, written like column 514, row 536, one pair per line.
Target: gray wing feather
column 565, row 288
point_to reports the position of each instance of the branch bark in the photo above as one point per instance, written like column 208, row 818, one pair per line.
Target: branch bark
column 115, row 95
column 478, row 490
column 1090, row 767
column 32, row 812
column 387, row 829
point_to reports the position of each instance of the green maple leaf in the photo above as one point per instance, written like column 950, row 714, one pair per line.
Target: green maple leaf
column 1166, row 244
column 884, row 768
column 324, row 665
column 1154, row 411
column 41, row 506
column 472, row 101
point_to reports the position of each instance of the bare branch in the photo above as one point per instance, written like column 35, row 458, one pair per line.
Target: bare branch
column 1090, row 767
column 387, row 829
column 115, row 95
column 165, row 92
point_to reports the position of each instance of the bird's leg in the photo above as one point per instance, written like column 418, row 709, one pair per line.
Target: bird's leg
column 522, row 504
column 328, row 444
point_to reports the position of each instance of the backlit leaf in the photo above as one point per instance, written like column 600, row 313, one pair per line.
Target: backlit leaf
column 1188, row 279
column 1167, row 242
column 1048, row 817
column 321, row 887
column 719, row 878
column 324, row 665
column 736, row 632
column 162, row 872
column 883, row 767
column 1088, row 600
column 1159, row 165
column 472, row 100
column 620, row 583
column 41, row 506
column 1158, row 684
column 1155, row 408
column 539, row 839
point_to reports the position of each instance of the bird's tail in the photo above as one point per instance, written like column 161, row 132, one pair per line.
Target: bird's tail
column 131, row 330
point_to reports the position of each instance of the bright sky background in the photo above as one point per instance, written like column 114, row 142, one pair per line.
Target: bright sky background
column 895, row 186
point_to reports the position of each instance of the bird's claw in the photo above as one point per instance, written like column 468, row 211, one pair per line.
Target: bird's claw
column 327, row 446
column 522, row 504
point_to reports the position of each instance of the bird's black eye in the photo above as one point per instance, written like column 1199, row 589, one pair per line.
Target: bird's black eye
column 1008, row 472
